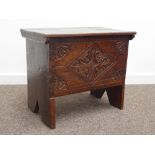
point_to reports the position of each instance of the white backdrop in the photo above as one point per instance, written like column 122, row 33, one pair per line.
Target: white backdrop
column 120, row 14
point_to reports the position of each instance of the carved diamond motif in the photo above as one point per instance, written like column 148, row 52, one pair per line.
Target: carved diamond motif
column 92, row 63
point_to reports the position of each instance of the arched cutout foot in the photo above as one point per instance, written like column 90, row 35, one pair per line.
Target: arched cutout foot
column 36, row 109
column 33, row 105
column 97, row 93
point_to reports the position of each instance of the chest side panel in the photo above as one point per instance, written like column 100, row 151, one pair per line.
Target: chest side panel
column 81, row 64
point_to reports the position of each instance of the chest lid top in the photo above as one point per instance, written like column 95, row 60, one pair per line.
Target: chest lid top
column 33, row 33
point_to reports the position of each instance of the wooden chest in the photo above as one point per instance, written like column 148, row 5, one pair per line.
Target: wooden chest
column 71, row 60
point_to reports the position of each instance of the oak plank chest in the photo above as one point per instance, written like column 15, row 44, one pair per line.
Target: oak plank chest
column 62, row 61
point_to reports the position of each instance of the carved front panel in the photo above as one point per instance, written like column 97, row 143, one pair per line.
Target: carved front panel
column 81, row 64
column 92, row 63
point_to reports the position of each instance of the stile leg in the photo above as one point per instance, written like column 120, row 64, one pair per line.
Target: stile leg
column 48, row 113
column 116, row 96
column 53, row 113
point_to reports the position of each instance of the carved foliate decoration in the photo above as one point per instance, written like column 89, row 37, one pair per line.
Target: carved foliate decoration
column 58, row 51
column 58, row 83
column 119, row 74
column 121, row 46
column 92, row 63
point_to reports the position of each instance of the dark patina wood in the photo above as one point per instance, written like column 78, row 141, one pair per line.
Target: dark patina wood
column 72, row 60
